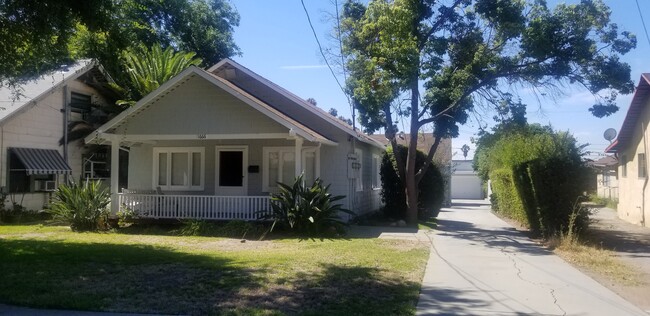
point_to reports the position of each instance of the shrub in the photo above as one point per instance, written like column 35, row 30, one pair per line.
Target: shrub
column 126, row 216
column 537, row 177
column 83, row 206
column 430, row 189
column 308, row 210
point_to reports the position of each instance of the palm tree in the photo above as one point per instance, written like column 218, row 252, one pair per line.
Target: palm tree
column 149, row 68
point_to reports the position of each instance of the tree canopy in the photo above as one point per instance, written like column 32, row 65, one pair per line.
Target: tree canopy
column 461, row 53
column 40, row 35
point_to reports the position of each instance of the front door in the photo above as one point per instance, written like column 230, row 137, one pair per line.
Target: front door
column 231, row 175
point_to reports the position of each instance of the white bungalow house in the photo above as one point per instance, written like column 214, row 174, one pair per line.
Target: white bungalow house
column 630, row 147
column 213, row 144
column 33, row 120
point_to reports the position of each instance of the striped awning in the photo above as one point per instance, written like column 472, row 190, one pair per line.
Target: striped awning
column 40, row 161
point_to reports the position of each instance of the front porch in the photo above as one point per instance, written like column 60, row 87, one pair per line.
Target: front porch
column 210, row 207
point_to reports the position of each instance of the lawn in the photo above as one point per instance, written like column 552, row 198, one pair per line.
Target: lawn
column 52, row 267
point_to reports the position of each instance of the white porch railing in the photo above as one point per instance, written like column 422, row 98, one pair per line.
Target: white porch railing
column 197, row 206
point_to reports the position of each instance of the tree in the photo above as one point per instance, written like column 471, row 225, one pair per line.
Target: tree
column 35, row 34
column 39, row 35
column 147, row 69
column 468, row 52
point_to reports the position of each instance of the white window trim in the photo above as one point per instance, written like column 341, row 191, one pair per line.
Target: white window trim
column 358, row 184
column 281, row 150
column 169, row 150
column 376, row 172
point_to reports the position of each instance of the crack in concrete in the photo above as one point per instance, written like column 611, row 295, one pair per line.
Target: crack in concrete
column 512, row 256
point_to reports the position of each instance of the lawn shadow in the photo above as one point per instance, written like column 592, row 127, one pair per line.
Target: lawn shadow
column 336, row 290
column 501, row 238
column 117, row 277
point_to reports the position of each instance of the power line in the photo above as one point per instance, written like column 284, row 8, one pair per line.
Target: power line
column 645, row 29
column 320, row 48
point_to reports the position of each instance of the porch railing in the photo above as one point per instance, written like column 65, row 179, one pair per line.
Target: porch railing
column 197, row 206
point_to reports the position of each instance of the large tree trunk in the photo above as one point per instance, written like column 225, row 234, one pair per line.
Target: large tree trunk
column 410, row 183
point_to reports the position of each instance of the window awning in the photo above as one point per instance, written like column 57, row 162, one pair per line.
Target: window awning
column 40, row 161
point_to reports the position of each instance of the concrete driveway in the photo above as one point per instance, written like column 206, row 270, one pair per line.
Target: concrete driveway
column 480, row 265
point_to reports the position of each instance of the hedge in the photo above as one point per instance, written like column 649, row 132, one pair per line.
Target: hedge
column 430, row 189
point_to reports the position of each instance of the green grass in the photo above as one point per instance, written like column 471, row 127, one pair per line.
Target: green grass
column 52, row 267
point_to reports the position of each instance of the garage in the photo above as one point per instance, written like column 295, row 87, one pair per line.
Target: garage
column 465, row 183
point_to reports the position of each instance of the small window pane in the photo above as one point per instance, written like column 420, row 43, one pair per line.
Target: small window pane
column 179, row 169
column 642, row 164
column 288, row 167
column 162, row 169
column 196, row 169
column 274, row 169
column 310, row 167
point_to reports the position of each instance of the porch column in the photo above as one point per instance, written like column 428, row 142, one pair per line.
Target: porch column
column 298, row 150
column 115, row 174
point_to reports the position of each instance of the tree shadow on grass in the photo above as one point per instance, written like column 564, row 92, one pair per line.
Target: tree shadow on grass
column 336, row 290
column 117, row 277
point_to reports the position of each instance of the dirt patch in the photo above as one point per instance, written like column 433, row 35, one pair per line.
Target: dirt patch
column 402, row 245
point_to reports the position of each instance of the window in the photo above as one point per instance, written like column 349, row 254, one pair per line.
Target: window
column 642, row 164
column 358, row 169
column 279, row 166
column 179, row 168
column 80, row 103
column 376, row 176
column 624, row 166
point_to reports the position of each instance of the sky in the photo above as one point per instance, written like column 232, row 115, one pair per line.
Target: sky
column 277, row 42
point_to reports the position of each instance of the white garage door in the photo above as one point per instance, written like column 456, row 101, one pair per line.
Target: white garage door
column 466, row 186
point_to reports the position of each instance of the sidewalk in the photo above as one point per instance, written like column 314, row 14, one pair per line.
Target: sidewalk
column 480, row 265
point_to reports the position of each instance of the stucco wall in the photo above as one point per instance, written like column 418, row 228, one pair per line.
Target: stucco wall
column 40, row 125
column 631, row 193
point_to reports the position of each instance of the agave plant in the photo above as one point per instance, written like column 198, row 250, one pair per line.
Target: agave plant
column 309, row 210
column 84, row 206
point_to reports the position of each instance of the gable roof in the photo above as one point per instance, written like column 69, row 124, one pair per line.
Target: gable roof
column 227, row 86
column 637, row 105
column 29, row 92
column 223, row 67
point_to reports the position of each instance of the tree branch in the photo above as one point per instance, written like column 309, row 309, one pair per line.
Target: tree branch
column 434, row 147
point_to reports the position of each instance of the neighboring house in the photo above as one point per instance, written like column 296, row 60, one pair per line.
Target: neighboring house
column 606, row 177
column 631, row 147
column 214, row 143
column 442, row 157
column 465, row 182
column 33, row 122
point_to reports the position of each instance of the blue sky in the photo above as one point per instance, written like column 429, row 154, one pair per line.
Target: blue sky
column 277, row 43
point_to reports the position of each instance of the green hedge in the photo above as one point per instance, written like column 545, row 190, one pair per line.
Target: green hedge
column 431, row 189
column 538, row 178
column 540, row 194
column 505, row 198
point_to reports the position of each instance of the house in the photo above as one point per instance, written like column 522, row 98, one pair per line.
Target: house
column 213, row 144
column 33, row 122
column 465, row 182
column 630, row 148
column 606, row 177
column 442, row 157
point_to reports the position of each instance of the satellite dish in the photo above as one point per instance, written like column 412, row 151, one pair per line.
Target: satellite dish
column 609, row 134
